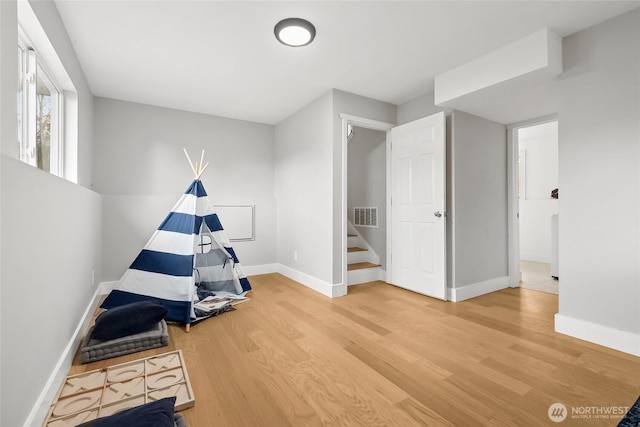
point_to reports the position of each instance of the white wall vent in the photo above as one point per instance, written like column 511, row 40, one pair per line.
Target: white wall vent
column 365, row 217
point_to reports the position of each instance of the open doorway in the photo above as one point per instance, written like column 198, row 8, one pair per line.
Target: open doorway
column 538, row 206
column 372, row 130
column 415, row 174
column 366, row 205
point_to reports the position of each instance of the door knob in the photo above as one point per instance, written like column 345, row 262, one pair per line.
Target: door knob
column 437, row 214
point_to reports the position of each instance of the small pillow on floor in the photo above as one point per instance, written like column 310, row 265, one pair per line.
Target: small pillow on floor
column 153, row 414
column 127, row 320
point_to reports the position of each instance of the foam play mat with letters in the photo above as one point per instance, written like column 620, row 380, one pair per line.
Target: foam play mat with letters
column 90, row 395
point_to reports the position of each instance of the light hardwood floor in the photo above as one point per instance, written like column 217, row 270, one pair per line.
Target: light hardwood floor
column 383, row 356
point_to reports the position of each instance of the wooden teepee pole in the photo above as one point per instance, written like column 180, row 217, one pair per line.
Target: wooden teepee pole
column 190, row 163
column 200, row 169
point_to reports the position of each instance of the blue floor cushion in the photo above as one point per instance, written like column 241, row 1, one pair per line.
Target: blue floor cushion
column 127, row 320
column 153, row 414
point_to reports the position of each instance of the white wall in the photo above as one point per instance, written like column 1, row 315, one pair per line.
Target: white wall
column 477, row 205
column 511, row 84
column 7, row 123
column 540, row 145
column 141, row 172
column 599, row 158
column 51, row 237
column 303, row 190
column 367, row 184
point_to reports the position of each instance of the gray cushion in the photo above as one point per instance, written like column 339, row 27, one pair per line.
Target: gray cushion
column 92, row 350
column 179, row 420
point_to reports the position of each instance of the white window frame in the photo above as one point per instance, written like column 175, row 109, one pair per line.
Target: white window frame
column 33, row 67
column 32, row 35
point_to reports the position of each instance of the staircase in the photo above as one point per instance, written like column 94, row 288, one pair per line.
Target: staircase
column 362, row 267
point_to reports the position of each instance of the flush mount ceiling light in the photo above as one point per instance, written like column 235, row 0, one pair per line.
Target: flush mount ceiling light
column 295, row 32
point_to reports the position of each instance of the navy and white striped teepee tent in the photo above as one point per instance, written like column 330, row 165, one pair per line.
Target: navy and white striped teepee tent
column 188, row 250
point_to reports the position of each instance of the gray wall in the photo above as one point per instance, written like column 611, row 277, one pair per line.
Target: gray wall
column 477, row 205
column 141, row 172
column 50, row 245
column 476, row 151
column 367, row 184
column 51, row 235
column 309, row 182
column 303, row 189
column 599, row 164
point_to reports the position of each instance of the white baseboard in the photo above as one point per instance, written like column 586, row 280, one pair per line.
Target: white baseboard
column 106, row 287
column 476, row 289
column 624, row 341
column 317, row 285
column 60, row 371
column 515, row 279
column 535, row 257
column 254, row 270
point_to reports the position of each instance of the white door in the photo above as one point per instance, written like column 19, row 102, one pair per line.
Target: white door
column 418, row 257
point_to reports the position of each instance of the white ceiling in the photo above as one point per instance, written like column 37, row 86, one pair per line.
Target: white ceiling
column 221, row 57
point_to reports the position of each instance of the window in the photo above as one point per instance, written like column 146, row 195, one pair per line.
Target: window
column 39, row 113
column 48, row 102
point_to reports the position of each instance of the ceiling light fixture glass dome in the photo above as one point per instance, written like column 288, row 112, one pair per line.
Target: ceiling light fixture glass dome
column 295, row 32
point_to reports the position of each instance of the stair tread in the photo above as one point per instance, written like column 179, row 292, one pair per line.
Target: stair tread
column 361, row 265
column 356, row 249
column 351, row 235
